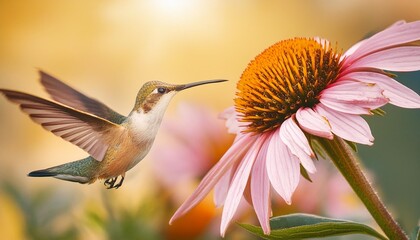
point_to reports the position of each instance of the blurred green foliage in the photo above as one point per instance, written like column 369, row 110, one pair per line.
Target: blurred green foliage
column 394, row 159
column 41, row 211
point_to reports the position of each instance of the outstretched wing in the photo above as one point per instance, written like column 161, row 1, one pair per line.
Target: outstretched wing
column 69, row 96
column 91, row 133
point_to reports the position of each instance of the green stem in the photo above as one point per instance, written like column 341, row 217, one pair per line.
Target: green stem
column 347, row 163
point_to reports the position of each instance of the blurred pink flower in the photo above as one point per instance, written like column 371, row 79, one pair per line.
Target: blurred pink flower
column 328, row 194
column 194, row 141
column 304, row 86
column 197, row 137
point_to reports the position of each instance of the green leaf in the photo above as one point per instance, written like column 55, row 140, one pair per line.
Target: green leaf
column 304, row 173
column 415, row 235
column 352, row 145
column 317, row 148
column 301, row 226
column 378, row 111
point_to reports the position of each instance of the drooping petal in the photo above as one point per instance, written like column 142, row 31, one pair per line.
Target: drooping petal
column 344, row 107
column 222, row 187
column 353, row 97
column 247, row 193
column 232, row 123
column 313, row 123
column 239, row 183
column 399, row 59
column 397, row 93
column 214, row 175
column 397, row 34
column 298, row 144
column 283, row 167
column 260, row 189
column 348, row 126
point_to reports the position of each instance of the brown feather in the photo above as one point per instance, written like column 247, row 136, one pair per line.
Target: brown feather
column 118, row 162
column 63, row 93
column 91, row 133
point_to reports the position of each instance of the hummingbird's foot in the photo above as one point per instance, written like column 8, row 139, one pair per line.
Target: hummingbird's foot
column 110, row 182
column 120, row 183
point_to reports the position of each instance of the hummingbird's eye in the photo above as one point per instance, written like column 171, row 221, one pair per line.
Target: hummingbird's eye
column 161, row 90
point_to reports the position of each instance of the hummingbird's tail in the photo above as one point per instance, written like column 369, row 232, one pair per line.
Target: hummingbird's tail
column 81, row 171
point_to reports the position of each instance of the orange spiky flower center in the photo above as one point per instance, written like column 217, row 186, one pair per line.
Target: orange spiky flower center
column 285, row 77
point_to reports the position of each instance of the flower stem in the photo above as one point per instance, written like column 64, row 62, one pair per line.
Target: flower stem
column 347, row 163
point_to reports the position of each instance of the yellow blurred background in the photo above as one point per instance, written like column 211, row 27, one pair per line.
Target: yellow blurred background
column 108, row 49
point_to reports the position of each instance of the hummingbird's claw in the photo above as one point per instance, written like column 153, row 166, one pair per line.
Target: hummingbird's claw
column 120, row 183
column 110, row 182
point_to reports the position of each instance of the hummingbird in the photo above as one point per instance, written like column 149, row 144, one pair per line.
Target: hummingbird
column 115, row 143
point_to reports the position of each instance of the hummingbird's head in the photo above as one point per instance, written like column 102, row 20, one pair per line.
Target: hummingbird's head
column 156, row 95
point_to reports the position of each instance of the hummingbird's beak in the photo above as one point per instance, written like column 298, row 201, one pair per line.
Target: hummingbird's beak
column 189, row 85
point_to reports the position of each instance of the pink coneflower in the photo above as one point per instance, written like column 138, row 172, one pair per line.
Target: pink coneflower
column 301, row 87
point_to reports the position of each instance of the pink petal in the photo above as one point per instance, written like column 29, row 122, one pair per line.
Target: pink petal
column 260, row 189
column 213, row 176
column 239, row 183
column 348, row 54
column 247, row 194
column 396, row 34
column 283, row 167
column 348, row 126
column 313, row 123
column 345, row 107
column 222, row 187
column 399, row 59
column 232, row 123
column 353, row 97
column 397, row 93
column 298, row 144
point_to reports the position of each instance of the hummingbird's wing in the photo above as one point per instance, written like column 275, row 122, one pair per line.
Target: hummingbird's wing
column 91, row 133
column 69, row 96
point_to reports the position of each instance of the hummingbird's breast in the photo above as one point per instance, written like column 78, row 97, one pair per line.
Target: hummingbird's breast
column 128, row 149
column 143, row 128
